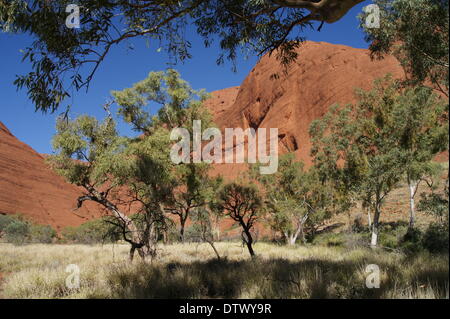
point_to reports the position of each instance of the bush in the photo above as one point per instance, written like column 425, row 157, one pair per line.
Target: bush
column 17, row 232
column 5, row 220
column 411, row 242
column 42, row 234
column 92, row 232
column 436, row 237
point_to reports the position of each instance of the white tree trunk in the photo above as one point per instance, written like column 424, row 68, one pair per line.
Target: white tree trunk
column 292, row 240
column 412, row 192
column 376, row 218
column 374, row 240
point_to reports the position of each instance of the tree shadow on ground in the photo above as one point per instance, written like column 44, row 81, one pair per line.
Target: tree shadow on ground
column 272, row 278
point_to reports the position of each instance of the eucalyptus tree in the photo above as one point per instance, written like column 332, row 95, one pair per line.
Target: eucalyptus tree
column 416, row 32
column 136, row 172
column 357, row 144
column 414, row 118
column 295, row 198
column 116, row 171
column 421, row 132
column 64, row 58
column 179, row 107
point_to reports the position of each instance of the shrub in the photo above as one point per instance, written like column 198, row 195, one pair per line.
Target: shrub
column 173, row 235
column 354, row 240
column 15, row 229
column 91, row 232
column 411, row 241
column 17, row 232
column 5, row 220
column 436, row 237
column 42, row 234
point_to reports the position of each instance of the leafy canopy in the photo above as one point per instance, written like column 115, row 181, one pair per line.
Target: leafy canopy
column 416, row 32
column 294, row 197
column 356, row 146
column 63, row 59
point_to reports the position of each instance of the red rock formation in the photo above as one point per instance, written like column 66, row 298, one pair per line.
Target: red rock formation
column 324, row 74
column 29, row 187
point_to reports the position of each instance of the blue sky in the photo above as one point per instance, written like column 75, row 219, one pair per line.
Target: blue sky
column 123, row 67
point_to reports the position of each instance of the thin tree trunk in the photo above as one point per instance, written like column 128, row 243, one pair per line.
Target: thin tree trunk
column 250, row 248
column 292, row 240
column 375, row 225
column 298, row 231
column 182, row 226
column 287, row 237
column 301, row 228
column 182, row 232
column 369, row 219
column 412, row 192
column 303, row 235
column 142, row 252
column 131, row 256
column 249, row 242
column 214, row 248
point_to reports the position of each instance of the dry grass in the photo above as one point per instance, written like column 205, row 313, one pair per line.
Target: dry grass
column 191, row 271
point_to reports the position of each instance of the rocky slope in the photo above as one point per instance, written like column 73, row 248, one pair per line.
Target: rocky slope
column 324, row 74
column 29, row 187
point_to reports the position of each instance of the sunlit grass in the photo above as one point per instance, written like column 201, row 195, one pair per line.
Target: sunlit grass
column 192, row 271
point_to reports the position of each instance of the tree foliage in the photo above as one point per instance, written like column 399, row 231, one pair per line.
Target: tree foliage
column 243, row 204
column 136, row 172
column 416, row 32
column 435, row 203
column 97, row 231
column 179, row 105
column 295, row 199
column 371, row 145
column 63, row 59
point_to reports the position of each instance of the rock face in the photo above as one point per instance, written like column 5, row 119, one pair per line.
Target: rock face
column 29, row 187
column 324, row 74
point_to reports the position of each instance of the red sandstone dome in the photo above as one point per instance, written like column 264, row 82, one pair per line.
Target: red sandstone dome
column 324, row 74
column 30, row 188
